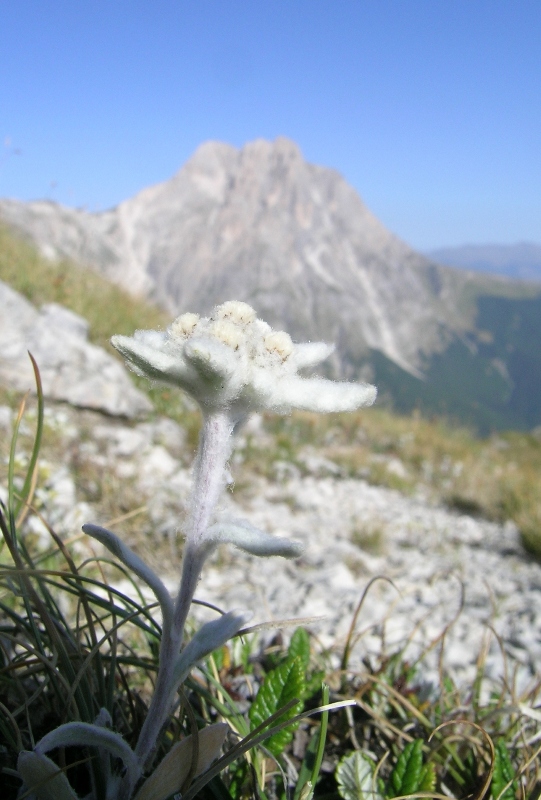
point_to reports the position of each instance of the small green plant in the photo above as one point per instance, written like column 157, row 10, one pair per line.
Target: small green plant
column 410, row 773
column 369, row 536
column 356, row 779
column 504, row 785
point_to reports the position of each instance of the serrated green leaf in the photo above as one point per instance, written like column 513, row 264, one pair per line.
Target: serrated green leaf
column 313, row 683
column 406, row 776
column 428, row 778
column 239, row 779
column 355, row 778
column 503, row 773
column 300, row 646
column 281, row 685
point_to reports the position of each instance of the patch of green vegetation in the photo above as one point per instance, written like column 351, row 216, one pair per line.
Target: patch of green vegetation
column 369, row 536
column 489, row 379
column 108, row 308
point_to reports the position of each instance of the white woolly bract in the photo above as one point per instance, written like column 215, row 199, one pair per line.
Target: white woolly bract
column 236, row 362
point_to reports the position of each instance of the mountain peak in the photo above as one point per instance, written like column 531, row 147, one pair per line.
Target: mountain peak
column 262, row 225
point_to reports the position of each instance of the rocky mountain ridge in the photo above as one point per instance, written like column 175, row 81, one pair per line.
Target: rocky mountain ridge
column 262, row 225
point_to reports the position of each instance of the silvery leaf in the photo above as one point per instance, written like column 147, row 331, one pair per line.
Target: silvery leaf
column 252, row 540
column 136, row 564
column 208, row 638
column 43, row 777
column 87, row 735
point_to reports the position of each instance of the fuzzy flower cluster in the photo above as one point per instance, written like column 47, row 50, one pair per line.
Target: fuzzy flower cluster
column 232, row 361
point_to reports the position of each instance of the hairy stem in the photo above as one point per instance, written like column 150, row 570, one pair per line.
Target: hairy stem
column 209, row 480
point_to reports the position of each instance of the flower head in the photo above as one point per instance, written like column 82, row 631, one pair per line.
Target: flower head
column 234, row 362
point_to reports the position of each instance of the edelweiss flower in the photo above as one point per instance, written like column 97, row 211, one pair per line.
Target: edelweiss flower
column 236, row 363
column 231, row 363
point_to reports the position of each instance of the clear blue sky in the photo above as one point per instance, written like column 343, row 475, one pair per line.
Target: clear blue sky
column 430, row 108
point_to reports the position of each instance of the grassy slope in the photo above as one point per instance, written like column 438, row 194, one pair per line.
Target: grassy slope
column 107, row 308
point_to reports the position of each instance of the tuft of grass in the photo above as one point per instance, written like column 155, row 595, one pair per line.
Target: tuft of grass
column 369, row 536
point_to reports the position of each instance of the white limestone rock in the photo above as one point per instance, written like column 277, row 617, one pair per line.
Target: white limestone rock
column 72, row 369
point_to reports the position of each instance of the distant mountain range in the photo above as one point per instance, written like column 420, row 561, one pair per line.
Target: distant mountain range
column 295, row 241
column 521, row 261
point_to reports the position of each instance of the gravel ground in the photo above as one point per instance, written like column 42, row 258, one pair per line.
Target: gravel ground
column 449, row 572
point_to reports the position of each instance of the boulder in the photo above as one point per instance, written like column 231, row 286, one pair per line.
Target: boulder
column 72, row 369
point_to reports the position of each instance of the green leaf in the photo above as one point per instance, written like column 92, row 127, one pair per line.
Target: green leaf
column 407, row 775
column 300, row 646
column 239, row 779
column 25, row 494
column 503, row 773
column 313, row 683
column 307, row 766
column 428, row 778
column 281, row 685
column 313, row 758
column 355, row 778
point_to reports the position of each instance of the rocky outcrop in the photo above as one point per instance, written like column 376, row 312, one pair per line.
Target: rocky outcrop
column 71, row 368
column 262, row 225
